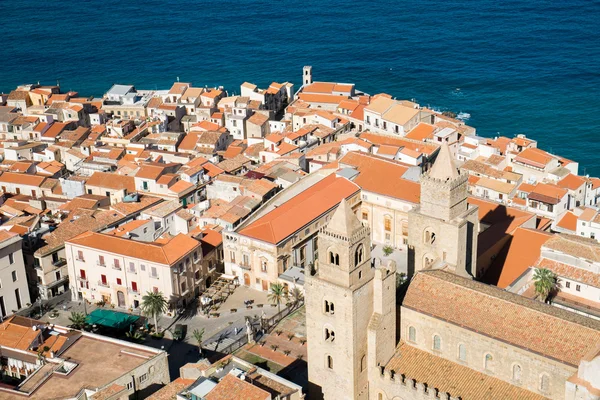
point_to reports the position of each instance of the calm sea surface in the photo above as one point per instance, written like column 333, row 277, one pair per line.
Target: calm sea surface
column 516, row 66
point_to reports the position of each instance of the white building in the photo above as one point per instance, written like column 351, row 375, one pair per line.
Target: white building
column 14, row 292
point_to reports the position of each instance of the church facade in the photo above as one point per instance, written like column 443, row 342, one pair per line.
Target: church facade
column 455, row 338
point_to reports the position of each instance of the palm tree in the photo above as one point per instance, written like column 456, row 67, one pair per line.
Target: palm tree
column 77, row 320
column 154, row 304
column 277, row 295
column 198, row 335
column 545, row 282
column 296, row 295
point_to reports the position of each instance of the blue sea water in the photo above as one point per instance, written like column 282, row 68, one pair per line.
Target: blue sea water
column 516, row 66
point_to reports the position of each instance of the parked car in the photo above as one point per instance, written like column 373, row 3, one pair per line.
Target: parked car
column 180, row 331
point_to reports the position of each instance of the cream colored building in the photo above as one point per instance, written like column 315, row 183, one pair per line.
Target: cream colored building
column 120, row 270
column 14, row 292
column 282, row 233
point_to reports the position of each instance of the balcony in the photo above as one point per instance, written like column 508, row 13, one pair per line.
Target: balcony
column 154, row 277
column 245, row 266
column 103, row 284
column 118, row 268
column 133, row 291
column 80, row 259
column 59, row 263
column 82, row 279
column 100, row 264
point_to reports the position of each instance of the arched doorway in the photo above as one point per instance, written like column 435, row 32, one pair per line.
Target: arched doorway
column 246, row 280
column 121, row 298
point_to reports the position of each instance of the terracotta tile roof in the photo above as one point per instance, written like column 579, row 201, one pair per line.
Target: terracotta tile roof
column 534, row 157
column 258, row 119
column 502, row 221
column 87, row 221
column 449, row 377
column 595, row 183
column 22, row 179
column 16, row 332
column 569, row 337
column 231, row 387
column 571, row 182
column 112, row 181
column 588, row 214
column 150, row 171
column 577, row 246
column 55, row 129
column 520, row 253
column 170, row 391
column 570, row 272
column 421, row 132
column 167, row 254
column 300, row 210
column 496, row 185
column 568, row 221
column 144, row 202
column 382, row 176
column 547, row 193
column 377, row 139
column 321, row 98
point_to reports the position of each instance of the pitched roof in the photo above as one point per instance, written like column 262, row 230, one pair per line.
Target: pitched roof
column 568, row 221
column 444, row 167
column 300, row 210
column 382, row 176
column 534, row 157
column 571, row 182
column 440, row 294
column 547, row 193
column 22, row 179
column 162, row 253
column 446, row 376
column 344, row 222
column 421, row 132
column 231, row 387
column 520, row 253
column 112, row 181
column 577, row 246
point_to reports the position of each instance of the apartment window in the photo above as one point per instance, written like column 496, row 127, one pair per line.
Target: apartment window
column 89, row 191
column 232, row 256
column 567, row 285
column 134, row 286
column 153, row 272
column 412, row 334
column 258, row 281
column 14, row 276
column 143, row 267
column 263, row 265
column 132, row 267
column 119, row 281
column 129, row 385
column 117, row 264
column 80, row 255
column 103, row 279
column 143, row 377
column 578, row 288
column 388, row 224
column 11, row 258
column 182, row 287
column 101, row 260
column 246, row 259
column 57, row 275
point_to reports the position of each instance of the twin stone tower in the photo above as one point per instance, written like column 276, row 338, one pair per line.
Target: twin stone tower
column 351, row 308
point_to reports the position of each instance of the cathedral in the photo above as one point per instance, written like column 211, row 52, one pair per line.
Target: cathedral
column 449, row 337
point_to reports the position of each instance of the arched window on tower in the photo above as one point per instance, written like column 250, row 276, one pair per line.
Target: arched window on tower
column 488, row 363
column 462, row 352
column 329, row 362
column 337, row 259
column 544, row 383
column 412, row 334
column 359, row 255
column 429, row 236
column 516, row 373
column 437, row 343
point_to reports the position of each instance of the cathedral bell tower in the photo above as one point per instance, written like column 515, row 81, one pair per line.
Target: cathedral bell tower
column 338, row 308
column 442, row 231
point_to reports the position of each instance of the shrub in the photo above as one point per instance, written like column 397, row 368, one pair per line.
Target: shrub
column 387, row 250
